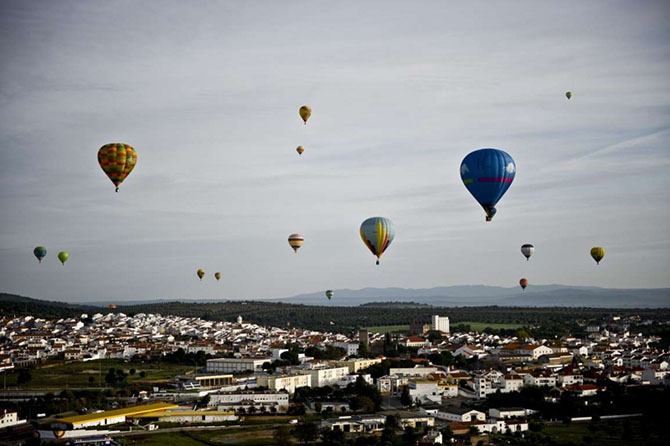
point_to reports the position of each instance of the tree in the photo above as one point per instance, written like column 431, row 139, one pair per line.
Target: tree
column 363, row 350
column 447, row 434
column 282, row 436
column 91, row 380
column 318, row 406
column 306, row 432
column 333, row 437
column 409, row 436
column 405, row 398
column 132, row 371
column 24, row 377
column 143, row 374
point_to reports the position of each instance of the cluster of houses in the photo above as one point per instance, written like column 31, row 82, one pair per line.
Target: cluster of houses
column 239, row 379
column 115, row 335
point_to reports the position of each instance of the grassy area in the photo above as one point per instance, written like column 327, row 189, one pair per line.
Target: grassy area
column 474, row 326
column 607, row 433
column 243, row 437
column 388, row 328
column 59, row 375
column 480, row 326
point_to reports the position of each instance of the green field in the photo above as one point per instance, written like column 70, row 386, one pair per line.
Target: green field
column 261, row 436
column 475, row 326
column 607, row 433
column 75, row 375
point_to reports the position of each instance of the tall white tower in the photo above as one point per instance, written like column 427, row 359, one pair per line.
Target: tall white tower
column 440, row 323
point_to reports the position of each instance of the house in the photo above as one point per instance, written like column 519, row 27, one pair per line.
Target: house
column 416, row 341
column 510, row 412
column 356, row 423
column 460, row 414
column 584, row 390
column 470, row 351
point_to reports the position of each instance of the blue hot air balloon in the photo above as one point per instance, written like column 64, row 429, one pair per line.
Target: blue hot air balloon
column 488, row 173
column 377, row 234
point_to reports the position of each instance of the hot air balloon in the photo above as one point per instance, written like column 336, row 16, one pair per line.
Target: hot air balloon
column 217, row 276
column 40, row 252
column 296, row 241
column 377, row 234
column 597, row 253
column 305, row 113
column 487, row 174
column 330, row 294
column 111, row 306
column 524, row 283
column 201, row 273
column 63, row 256
column 568, row 94
column 300, row 149
column 117, row 161
column 527, row 250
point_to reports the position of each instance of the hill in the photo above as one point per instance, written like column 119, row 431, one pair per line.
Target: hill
column 480, row 295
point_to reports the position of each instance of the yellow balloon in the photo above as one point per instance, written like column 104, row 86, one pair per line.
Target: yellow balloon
column 305, row 112
column 597, row 252
column 217, row 276
column 201, row 273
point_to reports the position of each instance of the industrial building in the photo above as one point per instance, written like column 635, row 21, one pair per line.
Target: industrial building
column 109, row 417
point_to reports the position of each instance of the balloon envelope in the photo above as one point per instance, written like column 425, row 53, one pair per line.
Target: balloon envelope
column 524, row 283
column 217, row 276
column 527, row 250
column 200, row 273
column 117, row 161
column 40, row 252
column 330, row 294
column 568, row 94
column 487, row 174
column 305, row 112
column 63, row 256
column 597, row 252
column 300, row 150
column 377, row 233
column 296, row 241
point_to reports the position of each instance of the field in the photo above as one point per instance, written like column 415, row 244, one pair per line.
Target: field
column 260, row 436
column 610, row 433
column 475, row 326
column 76, row 375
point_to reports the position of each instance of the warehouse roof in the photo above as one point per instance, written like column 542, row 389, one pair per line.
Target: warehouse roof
column 134, row 410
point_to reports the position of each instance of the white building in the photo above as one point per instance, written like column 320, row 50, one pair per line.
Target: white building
column 350, row 347
column 232, row 365
column 510, row 412
column 440, row 323
column 328, row 377
column 246, row 399
column 460, row 414
column 285, row 382
column 9, row 417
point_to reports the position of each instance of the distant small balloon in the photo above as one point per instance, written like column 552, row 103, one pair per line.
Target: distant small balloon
column 568, row 94
column 305, row 113
column 524, row 283
column 63, row 256
column 330, row 294
column 300, row 150
column 40, row 252
column 217, row 276
column 597, row 252
column 201, row 273
column 296, row 241
column 111, row 306
column 527, row 250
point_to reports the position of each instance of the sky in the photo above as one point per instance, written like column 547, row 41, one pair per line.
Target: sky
column 208, row 94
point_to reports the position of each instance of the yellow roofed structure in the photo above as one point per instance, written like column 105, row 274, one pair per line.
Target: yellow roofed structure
column 110, row 417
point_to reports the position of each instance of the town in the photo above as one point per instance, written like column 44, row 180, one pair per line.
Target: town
column 113, row 379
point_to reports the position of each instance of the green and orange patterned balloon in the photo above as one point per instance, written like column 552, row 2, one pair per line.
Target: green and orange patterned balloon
column 117, row 161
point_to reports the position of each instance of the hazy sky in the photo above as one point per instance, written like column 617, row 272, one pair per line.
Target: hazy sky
column 208, row 94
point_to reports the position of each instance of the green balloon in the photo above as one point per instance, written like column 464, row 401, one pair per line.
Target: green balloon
column 63, row 256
